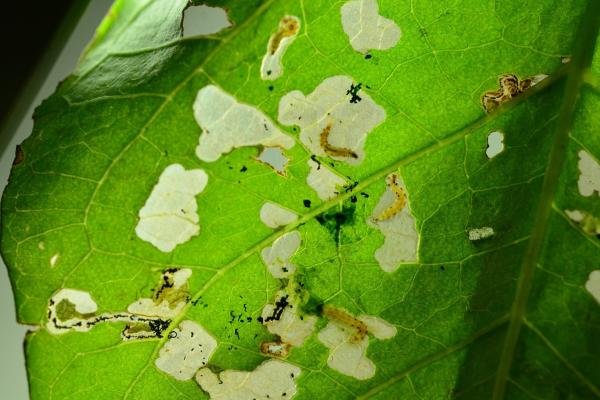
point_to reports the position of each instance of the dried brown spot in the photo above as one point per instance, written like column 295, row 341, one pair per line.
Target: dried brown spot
column 510, row 87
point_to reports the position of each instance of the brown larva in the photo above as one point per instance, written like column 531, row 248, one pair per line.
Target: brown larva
column 331, row 149
column 288, row 26
column 341, row 316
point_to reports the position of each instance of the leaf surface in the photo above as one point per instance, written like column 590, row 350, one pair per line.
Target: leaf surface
column 500, row 313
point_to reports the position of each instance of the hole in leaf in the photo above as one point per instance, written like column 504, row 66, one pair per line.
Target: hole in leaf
column 274, row 158
column 204, row 20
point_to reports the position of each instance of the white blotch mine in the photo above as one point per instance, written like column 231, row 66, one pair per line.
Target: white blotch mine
column 282, row 319
column 334, row 119
column 188, row 349
column 227, row 124
column 274, row 158
column 401, row 242
column 204, row 20
column 348, row 355
column 170, row 297
column 83, row 302
column 80, row 303
column 323, row 181
column 54, row 260
column 588, row 223
column 277, row 256
column 288, row 29
column 75, row 310
column 180, row 277
column 593, row 285
column 366, row 29
column 495, row 144
column 575, row 215
column 589, row 174
column 170, row 216
column 476, row 234
column 274, row 216
column 273, row 379
column 378, row 327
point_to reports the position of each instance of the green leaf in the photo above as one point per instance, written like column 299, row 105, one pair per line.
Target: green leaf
column 449, row 261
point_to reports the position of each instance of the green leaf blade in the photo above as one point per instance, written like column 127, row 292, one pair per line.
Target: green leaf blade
column 464, row 313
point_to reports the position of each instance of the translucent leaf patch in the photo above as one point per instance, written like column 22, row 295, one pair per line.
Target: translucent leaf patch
column 227, row 124
column 271, row 67
column 170, row 217
column 366, row 29
column 188, row 349
column 334, row 119
column 392, row 216
column 273, row 379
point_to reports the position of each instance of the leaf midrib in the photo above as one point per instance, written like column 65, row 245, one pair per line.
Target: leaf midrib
column 585, row 46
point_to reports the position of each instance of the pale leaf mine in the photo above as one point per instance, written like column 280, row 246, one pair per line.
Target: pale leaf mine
column 593, row 285
column 75, row 310
column 277, row 256
column 227, row 124
column 274, row 216
column 71, row 309
column 67, row 308
column 287, row 31
column 588, row 223
column 392, row 216
column 282, row 319
column 326, row 183
column 334, row 119
column 589, row 174
column 189, row 348
column 366, row 29
column 348, row 344
column 495, row 143
column 169, row 298
column 169, row 217
column 273, row 379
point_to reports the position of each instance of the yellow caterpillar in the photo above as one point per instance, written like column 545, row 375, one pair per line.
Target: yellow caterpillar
column 400, row 202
